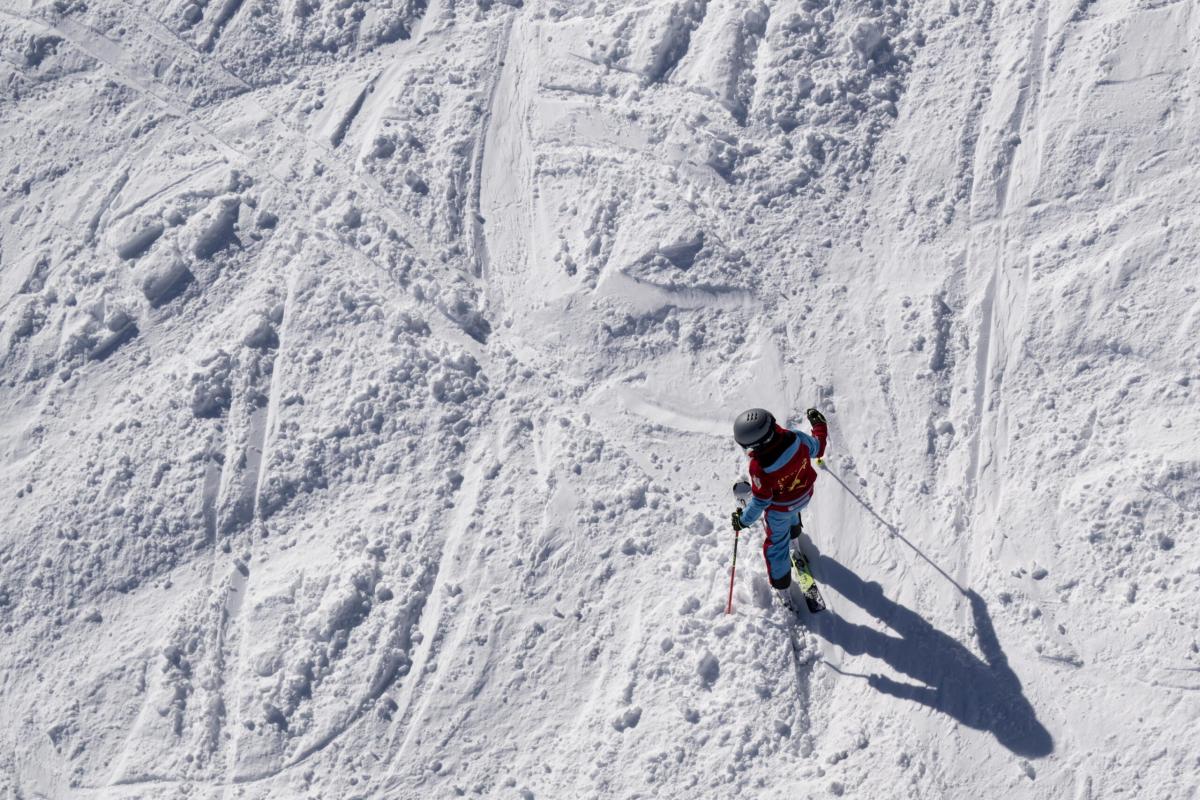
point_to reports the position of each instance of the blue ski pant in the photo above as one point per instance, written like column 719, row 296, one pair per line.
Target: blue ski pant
column 777, row 545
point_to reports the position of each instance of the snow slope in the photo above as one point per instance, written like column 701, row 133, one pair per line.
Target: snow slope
column 368, row 371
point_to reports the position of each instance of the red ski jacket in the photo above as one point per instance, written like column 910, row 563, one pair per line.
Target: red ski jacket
column 786, row 483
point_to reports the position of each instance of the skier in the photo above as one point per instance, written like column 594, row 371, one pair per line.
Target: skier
column 781, row 482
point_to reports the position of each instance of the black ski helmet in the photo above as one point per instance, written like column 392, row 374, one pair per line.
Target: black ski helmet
column 753, row 428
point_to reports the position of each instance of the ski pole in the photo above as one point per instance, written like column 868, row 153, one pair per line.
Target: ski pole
column 741, row 491
column 732, row 572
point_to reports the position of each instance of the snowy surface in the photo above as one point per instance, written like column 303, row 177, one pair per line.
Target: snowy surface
column 367, row 372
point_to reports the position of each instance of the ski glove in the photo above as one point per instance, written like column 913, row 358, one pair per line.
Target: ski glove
column 738, row 525
column 816, row 417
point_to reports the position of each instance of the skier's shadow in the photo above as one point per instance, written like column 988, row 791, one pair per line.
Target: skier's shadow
column 982, row 694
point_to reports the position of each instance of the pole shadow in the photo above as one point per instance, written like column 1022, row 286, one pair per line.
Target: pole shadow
column 984, row 694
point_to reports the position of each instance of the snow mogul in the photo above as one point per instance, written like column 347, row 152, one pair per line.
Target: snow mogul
column 781, row 485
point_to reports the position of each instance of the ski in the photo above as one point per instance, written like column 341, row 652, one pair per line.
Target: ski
column 808, row 584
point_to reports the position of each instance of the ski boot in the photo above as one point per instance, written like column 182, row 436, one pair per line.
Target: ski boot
column 789, row 602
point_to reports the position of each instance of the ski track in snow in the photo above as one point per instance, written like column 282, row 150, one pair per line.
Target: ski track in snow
column 440, row 637
column 366, row 372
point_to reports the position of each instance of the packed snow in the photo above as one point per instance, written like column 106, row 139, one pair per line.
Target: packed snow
column 368, row 370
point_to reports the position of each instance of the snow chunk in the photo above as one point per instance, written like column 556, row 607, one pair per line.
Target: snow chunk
column 267, row 664
column 459, row 308
column 682, row 253
column 700, row 525
column 865, row 38
column 259, row 333
column 38, row 48
column 140, row 240
column 215, row 229
column 660, row 42
column 109, row 344
column 166, row 280
column 709, row 669
column 629, row 719
column 211, row 388
column 350, row 216
column 415, row 182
